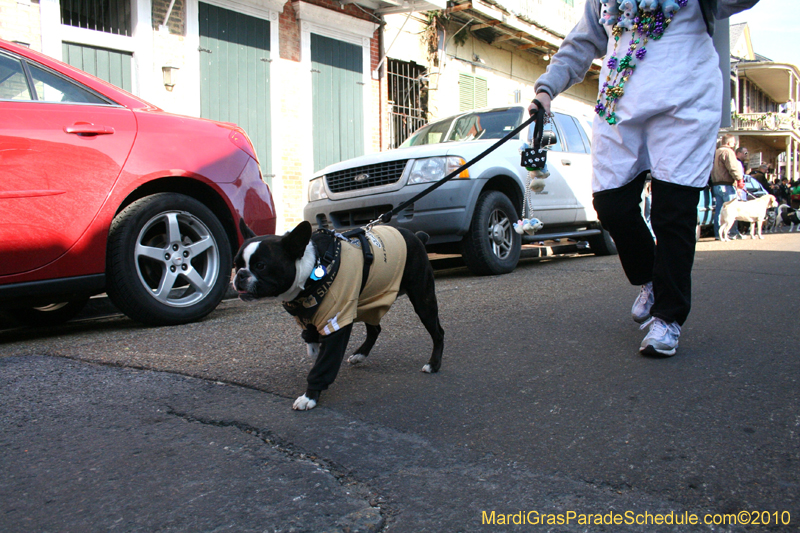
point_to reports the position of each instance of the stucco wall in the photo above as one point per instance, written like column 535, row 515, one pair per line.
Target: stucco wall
column 506, row 70
column 19, row 21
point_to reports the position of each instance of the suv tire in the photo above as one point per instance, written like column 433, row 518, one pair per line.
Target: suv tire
column 169, row 260
column 491, row 246
column 602, row 244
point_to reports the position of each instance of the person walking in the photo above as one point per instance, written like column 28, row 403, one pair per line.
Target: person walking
column 658, row 109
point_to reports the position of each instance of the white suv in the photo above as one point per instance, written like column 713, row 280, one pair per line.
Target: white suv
column 472, row 214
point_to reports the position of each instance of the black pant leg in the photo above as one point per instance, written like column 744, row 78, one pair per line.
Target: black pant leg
column 674, row 220
column 620, row 212
column 331, row 352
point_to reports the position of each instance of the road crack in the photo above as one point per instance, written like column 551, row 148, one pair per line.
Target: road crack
column 371, row 519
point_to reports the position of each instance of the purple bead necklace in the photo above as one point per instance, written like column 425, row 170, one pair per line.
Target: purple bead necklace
column 649, row 25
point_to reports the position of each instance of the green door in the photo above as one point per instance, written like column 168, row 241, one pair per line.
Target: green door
column 337, row 100
column 112, row 66
column 234, row 75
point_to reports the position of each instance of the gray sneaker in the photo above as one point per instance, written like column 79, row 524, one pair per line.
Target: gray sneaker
column 641, row 307
column 662, row 339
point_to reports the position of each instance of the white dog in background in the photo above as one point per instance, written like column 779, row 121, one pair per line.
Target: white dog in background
column 753, row 211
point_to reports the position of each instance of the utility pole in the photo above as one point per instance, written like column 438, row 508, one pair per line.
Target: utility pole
column 722, row 42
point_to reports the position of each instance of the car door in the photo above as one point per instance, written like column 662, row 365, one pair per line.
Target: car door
column 556, row 203
column 576, row 162
column 62, row 147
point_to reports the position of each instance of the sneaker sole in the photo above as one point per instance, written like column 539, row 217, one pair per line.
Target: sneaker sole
column 655, row 352
column 641, row 320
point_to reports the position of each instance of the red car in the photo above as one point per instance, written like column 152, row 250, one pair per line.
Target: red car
column 103, row 192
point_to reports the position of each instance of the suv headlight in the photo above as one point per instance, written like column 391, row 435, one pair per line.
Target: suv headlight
column 316, row 190
column 435, row 168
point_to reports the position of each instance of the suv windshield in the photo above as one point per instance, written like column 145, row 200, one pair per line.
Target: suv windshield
column 494, row 124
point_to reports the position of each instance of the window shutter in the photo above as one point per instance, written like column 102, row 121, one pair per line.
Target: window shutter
column 466, row 90
column 481, row 93
column 472, row 92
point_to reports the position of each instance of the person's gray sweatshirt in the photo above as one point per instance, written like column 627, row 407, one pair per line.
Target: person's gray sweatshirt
column 588, row 41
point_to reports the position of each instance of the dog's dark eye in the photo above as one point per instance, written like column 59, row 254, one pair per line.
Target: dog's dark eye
column 260, row 266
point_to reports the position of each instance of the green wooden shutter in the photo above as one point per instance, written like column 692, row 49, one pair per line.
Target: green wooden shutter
column 481, row 93
column 235, row 75
column 112, row 66
column 337, row 87
column 466, row 91
column 472, row 92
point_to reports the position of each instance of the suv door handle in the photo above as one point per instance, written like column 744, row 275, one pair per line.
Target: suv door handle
column 85, row 128
column 566, row 162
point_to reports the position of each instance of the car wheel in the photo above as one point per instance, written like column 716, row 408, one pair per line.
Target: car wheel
column 47, row 315
column 602, row 244
column 491, row 245
column 169, row 260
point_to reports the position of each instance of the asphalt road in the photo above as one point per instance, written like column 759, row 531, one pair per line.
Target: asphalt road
column 543, row 405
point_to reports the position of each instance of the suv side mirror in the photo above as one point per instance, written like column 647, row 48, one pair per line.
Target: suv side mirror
column 548, row 138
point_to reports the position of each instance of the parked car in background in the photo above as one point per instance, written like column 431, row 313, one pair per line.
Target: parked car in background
column 101, row 191
column 473, row 213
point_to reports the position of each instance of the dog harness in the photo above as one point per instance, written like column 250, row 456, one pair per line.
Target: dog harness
column 362, row 291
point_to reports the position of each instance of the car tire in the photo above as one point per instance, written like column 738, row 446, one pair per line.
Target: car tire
column 47, row 315
column 169, row 260
column 602, row 244
column 491, row 246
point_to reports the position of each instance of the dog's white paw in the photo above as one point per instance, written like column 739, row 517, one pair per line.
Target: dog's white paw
column 313, row 349
column 304, row 403
column 356, row 359
column 427, row 369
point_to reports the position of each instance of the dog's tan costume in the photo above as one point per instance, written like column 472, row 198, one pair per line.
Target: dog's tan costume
column 342, row 305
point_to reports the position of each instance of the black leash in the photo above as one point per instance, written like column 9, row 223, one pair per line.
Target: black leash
column 538, row 117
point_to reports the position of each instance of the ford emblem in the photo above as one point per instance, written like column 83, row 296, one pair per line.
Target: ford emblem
column 361, row 177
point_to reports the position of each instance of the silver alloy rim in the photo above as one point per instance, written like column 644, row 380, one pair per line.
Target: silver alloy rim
column 500, row 235
column 177, row 258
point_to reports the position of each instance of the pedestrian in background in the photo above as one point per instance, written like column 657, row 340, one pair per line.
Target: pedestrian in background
column 742, row 155
column 659, row 108
column 760, row 175
column 727, row 173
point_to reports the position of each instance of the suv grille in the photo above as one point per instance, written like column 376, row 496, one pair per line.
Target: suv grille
column 365, row 177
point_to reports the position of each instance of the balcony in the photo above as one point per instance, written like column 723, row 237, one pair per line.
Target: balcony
column 764, row 122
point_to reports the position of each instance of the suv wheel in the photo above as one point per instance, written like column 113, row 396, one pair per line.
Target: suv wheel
column 491, row 246
column 602, row 244
column 169, row 260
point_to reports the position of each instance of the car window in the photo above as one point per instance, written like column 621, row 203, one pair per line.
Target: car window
column 572, row 134
column 53, row 88
column 13, row 82
column 489, row 125
column 550, row 126
column 430, row 134
column 586, row 141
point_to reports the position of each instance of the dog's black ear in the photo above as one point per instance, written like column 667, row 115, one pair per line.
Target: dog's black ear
column 247, row 233
column 296, row 241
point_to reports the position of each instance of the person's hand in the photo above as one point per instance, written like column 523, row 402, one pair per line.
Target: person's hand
column 544, row 99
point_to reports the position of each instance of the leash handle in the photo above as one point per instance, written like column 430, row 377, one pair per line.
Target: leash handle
column 538, row 130
column 386, row 217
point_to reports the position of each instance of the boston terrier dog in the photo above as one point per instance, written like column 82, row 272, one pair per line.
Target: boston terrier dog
column 328, row 281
